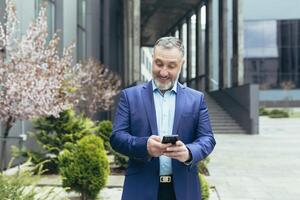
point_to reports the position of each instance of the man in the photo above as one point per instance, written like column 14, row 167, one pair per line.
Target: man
column 148, row 112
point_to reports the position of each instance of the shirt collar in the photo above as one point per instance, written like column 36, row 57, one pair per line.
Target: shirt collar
column 174, row 88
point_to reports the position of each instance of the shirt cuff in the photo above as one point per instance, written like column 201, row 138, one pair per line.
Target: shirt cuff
column 190, row 160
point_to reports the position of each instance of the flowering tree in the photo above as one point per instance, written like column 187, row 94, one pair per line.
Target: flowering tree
column 98, row 87
column 34, row 80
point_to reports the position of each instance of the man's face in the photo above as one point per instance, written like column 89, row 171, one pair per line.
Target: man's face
column 166, row 66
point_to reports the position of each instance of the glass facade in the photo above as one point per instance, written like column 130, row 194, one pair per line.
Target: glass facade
column 272, row 54
column 193, row 46
column 81, row 29
column 50, row 15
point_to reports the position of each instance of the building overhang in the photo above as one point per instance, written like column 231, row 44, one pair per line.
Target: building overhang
column 159, row 17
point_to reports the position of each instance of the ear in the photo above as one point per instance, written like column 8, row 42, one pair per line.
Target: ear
column 153, row 51
column 182, row 62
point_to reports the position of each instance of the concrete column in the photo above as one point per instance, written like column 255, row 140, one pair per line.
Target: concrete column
column 106, row 33
column 189, row 51
column 136, row 40
column 59, row 25
column 200, row 69
column 127, row 69
column 2, row 11
column 180, row 35
column 208, row 43
column 93, row 29
column 223, row 44
column 132, row 41
column 238, row 43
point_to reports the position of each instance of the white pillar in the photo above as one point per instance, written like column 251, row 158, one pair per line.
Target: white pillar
column 238, row 43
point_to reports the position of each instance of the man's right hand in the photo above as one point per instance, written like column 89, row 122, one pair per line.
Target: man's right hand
column 155, row 147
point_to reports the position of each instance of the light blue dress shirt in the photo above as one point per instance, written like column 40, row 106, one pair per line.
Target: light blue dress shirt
column 165, row 111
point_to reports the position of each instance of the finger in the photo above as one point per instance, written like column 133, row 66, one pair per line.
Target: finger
column 155, row 140
column 165, row 146
column 175, row 148
column 155, row 137
column 156, row 144
column 179, row 143
column 173, row 154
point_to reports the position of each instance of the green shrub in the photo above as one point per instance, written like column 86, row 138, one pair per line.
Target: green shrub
column 121, row 160
column 278, row 114
column 105, row 131
column 202, row 166
column 22, row 185
column 204, row 187
column 263, row 112
column 53, row 133
column 13, row 187
column 84, row 166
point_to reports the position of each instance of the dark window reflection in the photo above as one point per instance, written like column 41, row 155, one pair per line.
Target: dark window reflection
column 272, row 53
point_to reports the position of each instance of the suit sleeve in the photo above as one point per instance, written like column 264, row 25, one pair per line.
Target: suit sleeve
column 121, row 140
column 205, row 142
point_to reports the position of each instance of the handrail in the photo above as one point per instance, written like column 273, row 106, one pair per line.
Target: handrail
column 12, row 137
column 197, row 78
column 236, row 101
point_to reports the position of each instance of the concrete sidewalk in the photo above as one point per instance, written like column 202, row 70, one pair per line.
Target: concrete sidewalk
column 112, row 190
column 258, row 167
column 242, row 167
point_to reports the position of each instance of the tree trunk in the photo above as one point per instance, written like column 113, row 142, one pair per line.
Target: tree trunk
column 83, row 196
column 7, row 126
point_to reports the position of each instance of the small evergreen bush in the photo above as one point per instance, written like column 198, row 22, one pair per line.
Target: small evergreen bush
column 84, row 166
column 204, row 187
column 105, row 131
column 278, row 114
column 263, row 112
column 121, row 160
column 53, row 133
column 202, row 166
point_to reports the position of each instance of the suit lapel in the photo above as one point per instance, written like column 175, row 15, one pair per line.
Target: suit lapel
column 150, row 108
column 180, row 103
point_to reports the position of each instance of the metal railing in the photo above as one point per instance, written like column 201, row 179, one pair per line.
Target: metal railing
column 7, row 157
column 197, row 82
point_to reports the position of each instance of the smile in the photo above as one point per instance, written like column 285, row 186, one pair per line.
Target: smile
column 163, row 79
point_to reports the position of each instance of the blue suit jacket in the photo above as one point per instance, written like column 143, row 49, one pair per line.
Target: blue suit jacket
column 135, row 121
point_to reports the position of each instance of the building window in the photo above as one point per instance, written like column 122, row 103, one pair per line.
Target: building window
column 50, row 15
column 81, row 29
column 254, row 67
column 274, row 45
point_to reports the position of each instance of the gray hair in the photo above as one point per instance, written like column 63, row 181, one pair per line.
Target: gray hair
column 169, row 43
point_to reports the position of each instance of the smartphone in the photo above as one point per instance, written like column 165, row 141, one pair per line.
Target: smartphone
column 170, row 139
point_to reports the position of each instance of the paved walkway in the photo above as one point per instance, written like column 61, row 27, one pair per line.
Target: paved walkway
column 112, row 191
column 242, row 167
column 258, row 167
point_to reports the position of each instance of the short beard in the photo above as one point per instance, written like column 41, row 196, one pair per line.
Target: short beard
column 165, row 87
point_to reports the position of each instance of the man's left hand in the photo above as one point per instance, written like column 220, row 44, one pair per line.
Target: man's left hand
column 178, row 151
